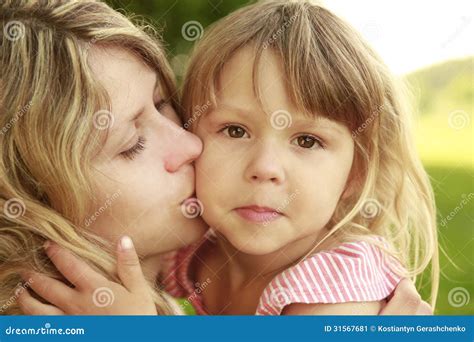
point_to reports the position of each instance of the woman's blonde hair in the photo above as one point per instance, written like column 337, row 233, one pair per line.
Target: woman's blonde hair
column 330, row 71
column 49, row 100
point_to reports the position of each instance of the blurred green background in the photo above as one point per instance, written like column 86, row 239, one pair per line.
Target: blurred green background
column 443, row 126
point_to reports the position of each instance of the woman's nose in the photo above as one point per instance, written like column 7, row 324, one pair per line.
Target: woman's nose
column 183, row 150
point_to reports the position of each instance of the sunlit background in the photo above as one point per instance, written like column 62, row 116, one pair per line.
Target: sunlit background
column 428, row 43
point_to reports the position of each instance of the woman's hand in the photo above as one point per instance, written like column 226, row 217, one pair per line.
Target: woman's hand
column 406, row 301
column 92, row 294
column 95, row 295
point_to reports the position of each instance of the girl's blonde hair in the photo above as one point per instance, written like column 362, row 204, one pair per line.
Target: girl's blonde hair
column 330, row 71
column 49, row 101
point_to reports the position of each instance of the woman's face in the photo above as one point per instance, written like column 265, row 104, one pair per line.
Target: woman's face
column 144, row 171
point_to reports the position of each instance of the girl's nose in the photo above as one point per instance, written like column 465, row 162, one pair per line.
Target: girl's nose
column 265, row 166
column 182, row 150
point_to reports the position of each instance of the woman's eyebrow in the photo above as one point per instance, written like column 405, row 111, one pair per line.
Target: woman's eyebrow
column 134, row 115
column 139, row 112
column 137, row 115
column 120, row 125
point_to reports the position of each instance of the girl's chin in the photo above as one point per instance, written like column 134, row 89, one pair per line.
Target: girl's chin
column 256, row 246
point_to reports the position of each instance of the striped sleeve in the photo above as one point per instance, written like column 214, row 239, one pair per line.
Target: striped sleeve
column 352, row 272
column 171, row 272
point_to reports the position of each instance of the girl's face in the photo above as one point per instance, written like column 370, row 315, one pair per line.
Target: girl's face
column 263, row 183
column 144, row 171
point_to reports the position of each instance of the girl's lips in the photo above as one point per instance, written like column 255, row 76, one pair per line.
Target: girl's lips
column 258, row 214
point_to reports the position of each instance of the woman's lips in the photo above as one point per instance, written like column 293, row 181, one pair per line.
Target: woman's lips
column 258, row 214
column 192, row 196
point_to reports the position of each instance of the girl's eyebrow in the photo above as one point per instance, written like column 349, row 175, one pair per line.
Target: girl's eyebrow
column 241, row 111
column 320, row 122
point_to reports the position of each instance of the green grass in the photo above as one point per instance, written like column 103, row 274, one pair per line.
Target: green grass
column 456, row 237
column 444, row 135
column 447, row 153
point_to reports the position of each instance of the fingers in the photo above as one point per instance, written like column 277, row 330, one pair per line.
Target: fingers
column 78, row 272
column 405, row 300
column 128, row 266
column 32, row 306
column 52, row 290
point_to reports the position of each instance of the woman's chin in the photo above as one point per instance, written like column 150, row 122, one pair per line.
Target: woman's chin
column 188, row 231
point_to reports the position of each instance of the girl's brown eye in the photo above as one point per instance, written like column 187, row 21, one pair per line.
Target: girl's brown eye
column 308, row 142
column 234, row 131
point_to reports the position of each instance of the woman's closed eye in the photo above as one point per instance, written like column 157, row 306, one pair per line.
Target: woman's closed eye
column 131, row 153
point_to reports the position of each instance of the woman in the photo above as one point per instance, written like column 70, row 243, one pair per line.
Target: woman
column 72, row 172
column 92, row 149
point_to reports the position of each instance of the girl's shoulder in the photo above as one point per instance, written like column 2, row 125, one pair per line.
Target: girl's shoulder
column 359, row 271
column 175, row 277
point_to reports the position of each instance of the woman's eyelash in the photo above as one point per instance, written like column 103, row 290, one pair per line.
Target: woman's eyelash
column 135, row 150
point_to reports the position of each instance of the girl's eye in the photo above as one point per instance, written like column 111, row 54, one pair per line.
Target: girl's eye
column 234, row 131
column 308, row 142
column 160, row 105
column 135, row 150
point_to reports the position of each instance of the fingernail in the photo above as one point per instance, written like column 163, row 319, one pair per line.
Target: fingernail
column 126, row 243
column 46, row 244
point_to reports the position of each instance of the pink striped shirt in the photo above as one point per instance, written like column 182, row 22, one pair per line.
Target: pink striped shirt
column 352, row 272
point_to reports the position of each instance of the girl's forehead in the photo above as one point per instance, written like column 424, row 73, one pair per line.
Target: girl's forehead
column 245, row 65
column 252, row 76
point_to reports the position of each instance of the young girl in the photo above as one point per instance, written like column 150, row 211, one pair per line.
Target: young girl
column 308, row 177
